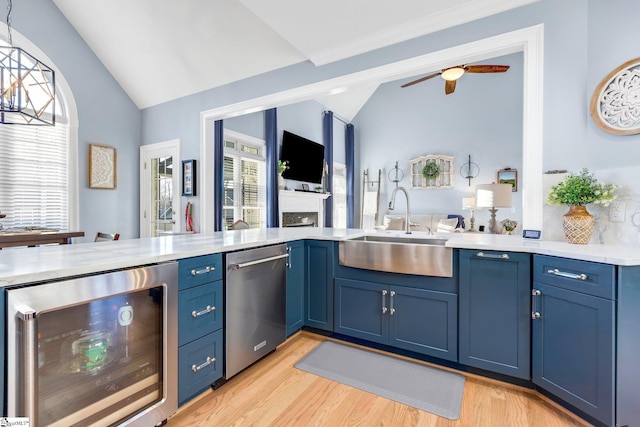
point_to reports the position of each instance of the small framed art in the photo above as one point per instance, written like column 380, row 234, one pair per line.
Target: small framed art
column 188, row 177
column 509, row 176
column 102, row 167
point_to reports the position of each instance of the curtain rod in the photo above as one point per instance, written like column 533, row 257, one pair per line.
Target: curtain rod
column 338, row 118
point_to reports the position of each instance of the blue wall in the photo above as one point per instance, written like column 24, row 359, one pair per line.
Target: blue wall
column 106, row 116
column 584, row 40
column 482, row 118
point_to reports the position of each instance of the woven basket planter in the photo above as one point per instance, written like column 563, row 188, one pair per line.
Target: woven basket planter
column 578, row 225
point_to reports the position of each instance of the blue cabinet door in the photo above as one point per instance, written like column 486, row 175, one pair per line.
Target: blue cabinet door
column 319, row 284
column 295, row 286
column 362, row 310
column 495, row 311
column 424, row 321
column 573, row 349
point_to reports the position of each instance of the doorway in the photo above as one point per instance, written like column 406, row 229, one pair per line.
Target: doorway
column 159, row 189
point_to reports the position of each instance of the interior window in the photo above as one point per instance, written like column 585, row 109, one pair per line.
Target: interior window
column 34, row 174
column 244, row 181
column 339, row 194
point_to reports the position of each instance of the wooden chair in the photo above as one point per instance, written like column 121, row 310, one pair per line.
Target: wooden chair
column 239, row 225
column 103, row 237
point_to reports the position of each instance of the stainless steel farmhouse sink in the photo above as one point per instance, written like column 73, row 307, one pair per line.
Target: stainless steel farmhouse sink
column 396, row 254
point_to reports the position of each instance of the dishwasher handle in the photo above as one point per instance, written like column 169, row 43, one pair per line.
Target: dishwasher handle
column 258, row 261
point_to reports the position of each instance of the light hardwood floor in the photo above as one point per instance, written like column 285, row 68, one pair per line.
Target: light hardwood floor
column 274, row 393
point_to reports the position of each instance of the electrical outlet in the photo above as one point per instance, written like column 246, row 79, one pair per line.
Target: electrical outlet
column 617, row 212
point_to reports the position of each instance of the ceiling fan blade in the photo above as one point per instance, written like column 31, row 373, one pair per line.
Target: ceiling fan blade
column 449, row 86
column 420, row 80
column 486, row 68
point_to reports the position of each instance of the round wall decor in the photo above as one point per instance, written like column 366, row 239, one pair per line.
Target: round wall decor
column 615, row 104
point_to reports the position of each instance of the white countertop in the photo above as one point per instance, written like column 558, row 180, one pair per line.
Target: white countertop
column 26, row 265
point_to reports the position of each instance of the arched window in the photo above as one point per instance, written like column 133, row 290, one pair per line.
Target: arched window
column 37, row 167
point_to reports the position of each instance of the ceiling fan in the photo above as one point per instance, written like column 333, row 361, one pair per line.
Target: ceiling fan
column 452, row 74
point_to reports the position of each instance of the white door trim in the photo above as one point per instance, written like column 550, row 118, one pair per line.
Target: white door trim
column 528, row 40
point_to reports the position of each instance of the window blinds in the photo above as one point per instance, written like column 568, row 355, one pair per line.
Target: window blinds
column 34, row 176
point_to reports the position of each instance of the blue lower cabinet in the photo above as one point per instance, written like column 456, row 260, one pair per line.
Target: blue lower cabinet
column 295, row 287
column 199, row 365
column 574, row 333
column 413, row 319
column 495, row 311
column 318, row 296
column 573, row 349
column 200, row 324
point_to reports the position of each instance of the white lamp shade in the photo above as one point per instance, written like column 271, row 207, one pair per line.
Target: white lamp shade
column 468, row 203
column 493, row 195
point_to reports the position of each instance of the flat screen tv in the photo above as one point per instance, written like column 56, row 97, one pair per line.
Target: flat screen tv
column 304, row 157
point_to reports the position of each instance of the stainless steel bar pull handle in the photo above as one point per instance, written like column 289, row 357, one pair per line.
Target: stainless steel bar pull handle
column 207, row 269
column 28, row 402
column 209, row 309
column 535, row 314
column 557, row 272
column 207, row 362
column 391, row 309
column 384, row 302
column 258, row 261
column 483, row 255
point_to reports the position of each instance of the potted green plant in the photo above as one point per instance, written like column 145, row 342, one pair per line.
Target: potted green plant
column 282, row 166
column 577, row 191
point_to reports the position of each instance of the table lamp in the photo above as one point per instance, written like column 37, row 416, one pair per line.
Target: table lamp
column 469, row 204
column 493, row 196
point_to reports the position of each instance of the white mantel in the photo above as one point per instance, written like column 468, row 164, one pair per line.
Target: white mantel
column 302, row 201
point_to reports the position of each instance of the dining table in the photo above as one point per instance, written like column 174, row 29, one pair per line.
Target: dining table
column 31, row 237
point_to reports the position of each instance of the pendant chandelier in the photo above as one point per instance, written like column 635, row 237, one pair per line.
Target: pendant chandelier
column 27, row 86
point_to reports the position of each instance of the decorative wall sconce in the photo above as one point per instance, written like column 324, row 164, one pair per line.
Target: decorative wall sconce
column 469, row 170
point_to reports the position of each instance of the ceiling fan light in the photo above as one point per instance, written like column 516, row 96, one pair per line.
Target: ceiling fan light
column 452, row 74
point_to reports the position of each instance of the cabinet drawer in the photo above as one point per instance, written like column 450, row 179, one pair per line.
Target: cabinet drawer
column 198, row 270
column 199, row 311
column 199, row 365
column 586, row 277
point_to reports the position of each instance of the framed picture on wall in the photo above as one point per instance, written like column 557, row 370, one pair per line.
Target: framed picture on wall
column 509, row 176
column 188, row 177
column 102, row 167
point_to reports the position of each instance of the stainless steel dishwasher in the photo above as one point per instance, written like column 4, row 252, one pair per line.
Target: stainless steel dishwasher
column 255, row 305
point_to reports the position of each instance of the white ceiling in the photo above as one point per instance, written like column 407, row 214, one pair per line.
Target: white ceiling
column 161, row 50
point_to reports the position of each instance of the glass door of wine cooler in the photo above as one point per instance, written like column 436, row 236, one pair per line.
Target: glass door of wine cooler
column 98, row 361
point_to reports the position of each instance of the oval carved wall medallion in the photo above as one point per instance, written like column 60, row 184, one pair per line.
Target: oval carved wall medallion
column 615, row 103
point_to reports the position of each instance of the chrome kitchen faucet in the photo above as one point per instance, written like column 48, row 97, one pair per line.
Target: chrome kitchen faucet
column 392, row 204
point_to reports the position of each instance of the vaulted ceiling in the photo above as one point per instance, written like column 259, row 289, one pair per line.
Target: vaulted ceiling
column 161, row 50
